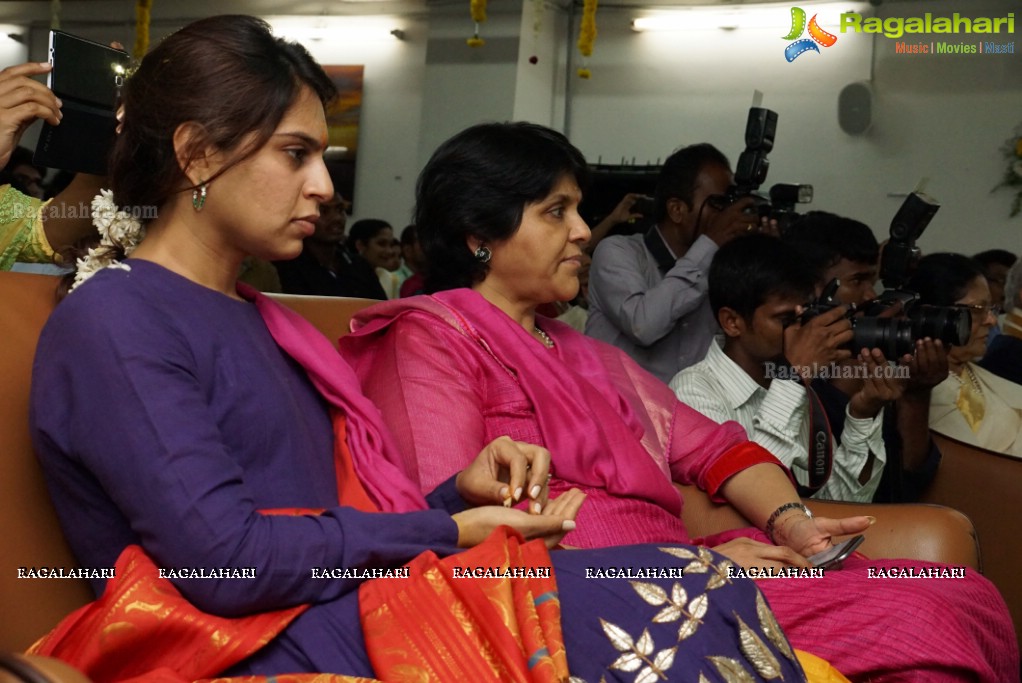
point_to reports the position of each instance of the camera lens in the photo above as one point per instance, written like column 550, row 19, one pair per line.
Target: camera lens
column 893, row 336
column 950, row 325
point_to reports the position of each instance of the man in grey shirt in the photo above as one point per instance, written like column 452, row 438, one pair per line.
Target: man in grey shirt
column 648, row 292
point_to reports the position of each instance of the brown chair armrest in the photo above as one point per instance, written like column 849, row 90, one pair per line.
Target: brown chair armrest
column 920, row 532
column 32, row 669
column 933, row 533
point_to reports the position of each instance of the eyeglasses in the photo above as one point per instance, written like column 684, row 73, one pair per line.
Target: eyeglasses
column 980, row 311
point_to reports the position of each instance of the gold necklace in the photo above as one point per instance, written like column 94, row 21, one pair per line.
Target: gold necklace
column 543, row 337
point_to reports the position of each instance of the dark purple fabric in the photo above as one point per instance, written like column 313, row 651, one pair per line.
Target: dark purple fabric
column 164, row 415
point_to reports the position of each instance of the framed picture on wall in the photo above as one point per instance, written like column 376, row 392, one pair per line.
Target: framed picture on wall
column 342, row 120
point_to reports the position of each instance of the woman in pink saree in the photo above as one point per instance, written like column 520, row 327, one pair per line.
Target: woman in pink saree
column 497, row 217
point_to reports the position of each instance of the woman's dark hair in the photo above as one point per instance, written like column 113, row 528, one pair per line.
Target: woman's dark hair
column 749, row 269
column 229, row 75
column 366, row 229
column 942, row 279
column 822, row 239
column 477, row 184
column 678, row 175
column 1001, row 257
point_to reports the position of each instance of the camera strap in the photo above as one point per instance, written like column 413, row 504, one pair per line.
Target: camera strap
column 661, row 254
column 820, row 446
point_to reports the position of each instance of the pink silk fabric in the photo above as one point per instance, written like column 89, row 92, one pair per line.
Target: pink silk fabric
column 451, row 372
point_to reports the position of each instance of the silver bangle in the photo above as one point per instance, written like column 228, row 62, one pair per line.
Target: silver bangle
column 780, row 511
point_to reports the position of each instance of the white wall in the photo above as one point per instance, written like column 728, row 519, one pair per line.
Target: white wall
column 941, row 116
column 389, row 128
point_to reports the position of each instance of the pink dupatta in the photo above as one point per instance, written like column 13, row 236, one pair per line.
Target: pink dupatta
column 367, row 434
column 583, row 391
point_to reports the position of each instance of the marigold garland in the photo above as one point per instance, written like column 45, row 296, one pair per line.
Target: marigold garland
column 478, row 11
column 587, row 36
column 1012, row 150
column 142, row 16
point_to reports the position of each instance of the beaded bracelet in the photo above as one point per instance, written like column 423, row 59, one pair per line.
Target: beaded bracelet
column 780, row 511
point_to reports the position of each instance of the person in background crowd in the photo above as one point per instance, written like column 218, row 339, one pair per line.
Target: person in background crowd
column 647, row 293
column 1004, row 354
column 758, row 288
column 971, row 404
column 411, row 251
column 845, row 250
column 325, row 267
column 995, row 264
column 373, row 240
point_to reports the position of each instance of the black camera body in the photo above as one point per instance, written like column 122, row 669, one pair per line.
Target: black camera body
column 896, row 336
column 751, row 173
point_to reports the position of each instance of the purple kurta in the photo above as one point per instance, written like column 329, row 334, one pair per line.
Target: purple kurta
column 165, row 415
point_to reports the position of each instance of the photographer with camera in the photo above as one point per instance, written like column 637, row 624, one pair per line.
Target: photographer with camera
column 758, row 376
column 842, row 249
column 648, row 292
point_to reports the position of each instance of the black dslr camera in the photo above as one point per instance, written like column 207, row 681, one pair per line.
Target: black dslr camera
column 896, row 336
column 751, row 173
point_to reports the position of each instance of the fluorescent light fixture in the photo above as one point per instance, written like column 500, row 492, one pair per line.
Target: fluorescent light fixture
column 739, row 17
column 343, row 29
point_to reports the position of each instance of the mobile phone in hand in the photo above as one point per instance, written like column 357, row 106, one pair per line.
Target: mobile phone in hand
column 836, row 553
column 87, row 77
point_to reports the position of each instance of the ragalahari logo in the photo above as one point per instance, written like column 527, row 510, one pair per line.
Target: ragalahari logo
column 816, row 35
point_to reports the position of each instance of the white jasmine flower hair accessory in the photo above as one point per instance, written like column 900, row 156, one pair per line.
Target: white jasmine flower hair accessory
column 119, row 233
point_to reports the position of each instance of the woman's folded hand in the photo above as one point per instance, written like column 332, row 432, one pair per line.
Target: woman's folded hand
column 503, row 472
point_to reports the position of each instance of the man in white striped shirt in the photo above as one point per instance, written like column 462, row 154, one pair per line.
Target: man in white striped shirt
column 757, row 290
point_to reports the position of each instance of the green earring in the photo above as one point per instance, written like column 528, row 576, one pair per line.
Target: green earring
column 199, row 197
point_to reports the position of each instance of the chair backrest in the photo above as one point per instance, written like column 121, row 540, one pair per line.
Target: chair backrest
column 30, row 535
column 330, row 314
